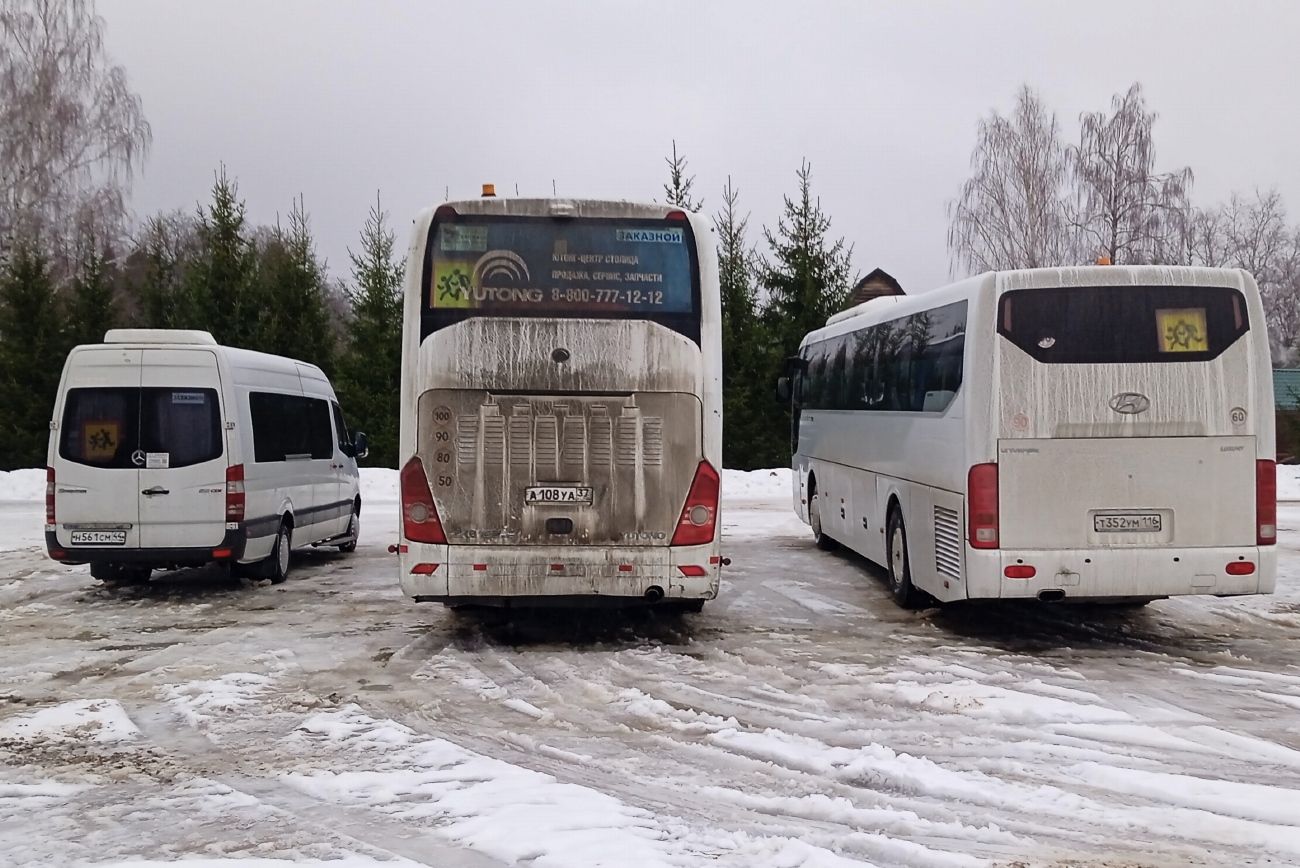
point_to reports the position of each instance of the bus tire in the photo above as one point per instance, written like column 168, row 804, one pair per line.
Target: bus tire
column 824, row 542
column 900, row 565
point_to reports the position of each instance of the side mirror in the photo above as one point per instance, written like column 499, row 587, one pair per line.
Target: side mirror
column 783, row 390
column 360, row 445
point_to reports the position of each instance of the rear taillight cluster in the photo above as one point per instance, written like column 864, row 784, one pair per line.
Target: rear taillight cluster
column 982, row 506
column 420, row 521
column 699, row 520
column 49, row 495
column 1265, row 503
column 235, row 493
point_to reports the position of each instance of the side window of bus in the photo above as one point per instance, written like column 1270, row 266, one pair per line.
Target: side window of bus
column 289, row 426
column 815, row 379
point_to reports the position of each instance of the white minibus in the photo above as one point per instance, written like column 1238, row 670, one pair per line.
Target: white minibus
column 561, row 425
column 168, row 450
column 1092, row 434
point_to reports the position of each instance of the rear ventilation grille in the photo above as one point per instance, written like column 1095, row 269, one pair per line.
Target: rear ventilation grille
column 626, row 446
column 653, row 441
column 494, row 441
column 947, row 542
column 467, row 439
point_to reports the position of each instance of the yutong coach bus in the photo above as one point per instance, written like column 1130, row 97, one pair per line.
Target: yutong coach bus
column 561, row 405
column 1099, row 433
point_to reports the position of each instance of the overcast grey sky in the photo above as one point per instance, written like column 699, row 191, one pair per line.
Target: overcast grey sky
column 339, row 100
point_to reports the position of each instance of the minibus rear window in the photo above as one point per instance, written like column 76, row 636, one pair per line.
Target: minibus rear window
column 107, row 427
column 1123, row 324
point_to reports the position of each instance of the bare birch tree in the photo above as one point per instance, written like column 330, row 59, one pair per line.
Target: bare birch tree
column 72, row 132
column 1010, row 212
column 1121, row 208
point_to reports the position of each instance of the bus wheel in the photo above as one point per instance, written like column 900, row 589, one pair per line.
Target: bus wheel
column 900, row 567
column 824, row 542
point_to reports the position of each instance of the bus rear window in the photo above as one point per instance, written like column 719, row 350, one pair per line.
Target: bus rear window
column 576, row 268
column 122, row 427
column 1123, row 324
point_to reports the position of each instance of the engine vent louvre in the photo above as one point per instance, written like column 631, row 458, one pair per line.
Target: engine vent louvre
column 467, row 439
column 652, row 433
column 947, row 542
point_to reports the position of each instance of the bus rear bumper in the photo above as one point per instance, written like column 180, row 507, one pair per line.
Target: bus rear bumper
column 1100, row 574
column 644, row 574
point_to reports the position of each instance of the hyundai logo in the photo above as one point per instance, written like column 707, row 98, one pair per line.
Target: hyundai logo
column 1130, row 403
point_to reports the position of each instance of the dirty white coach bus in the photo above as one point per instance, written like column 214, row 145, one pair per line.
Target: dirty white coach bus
column 561, row 423
column 1100, row 433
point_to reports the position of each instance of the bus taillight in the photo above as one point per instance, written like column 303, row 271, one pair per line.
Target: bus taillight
column 49, row 498
column 982, row 506
column 1265, row 503
column 676, row 215
column 700, row 514
column 420, row 521
column 235, row 496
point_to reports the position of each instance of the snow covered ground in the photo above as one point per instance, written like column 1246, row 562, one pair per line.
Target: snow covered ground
column 800, row 721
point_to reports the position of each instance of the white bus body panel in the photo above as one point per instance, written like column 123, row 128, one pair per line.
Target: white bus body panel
column 1063, row 455
column 608, row 356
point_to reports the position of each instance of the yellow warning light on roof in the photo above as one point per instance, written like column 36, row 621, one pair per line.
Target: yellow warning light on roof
column 489, row 190
column 1101, row 260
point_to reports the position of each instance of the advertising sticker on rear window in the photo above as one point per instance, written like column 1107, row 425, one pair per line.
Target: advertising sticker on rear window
column 187, row 397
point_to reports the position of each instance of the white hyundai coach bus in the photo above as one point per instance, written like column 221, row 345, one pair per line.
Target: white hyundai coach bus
column 1100, row 434
column 561, row 421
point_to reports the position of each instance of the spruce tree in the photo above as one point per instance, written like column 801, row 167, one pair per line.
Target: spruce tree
column 745, row 443
column 164, row 298
column 678, row 188
column 220, row 277
column 806, row 280
column 292, row 290
column 92, row 308
column 369, row 371
column 32, row 350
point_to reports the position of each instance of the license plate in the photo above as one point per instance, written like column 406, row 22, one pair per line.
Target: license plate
column 1135, row 522
column 99, row 537
column 557, row 494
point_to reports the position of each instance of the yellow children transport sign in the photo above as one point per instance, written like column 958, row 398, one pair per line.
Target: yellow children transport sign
column 1182, row 330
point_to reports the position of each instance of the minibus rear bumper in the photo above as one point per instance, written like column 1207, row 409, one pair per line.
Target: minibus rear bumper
column 1117, row 573
column 230, row 549
column 559, row 574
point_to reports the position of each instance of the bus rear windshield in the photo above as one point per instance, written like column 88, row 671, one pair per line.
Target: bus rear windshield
column 125, row 427
column 576, row 268
column 1123, row 324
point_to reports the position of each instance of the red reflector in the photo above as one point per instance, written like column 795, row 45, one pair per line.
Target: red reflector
column 403, row 549
column 699, row 518
column 1020, row 571
column 424, row 569
column 1265, row 503
column 625, row 568
column 49, row 496
column 715, row 559
column 982, row 506
column 420, row 521
column 1240, row 568
column 692, row 570
column 58, row 554
column 557, row 566
column 480, row 567
column 221, row 553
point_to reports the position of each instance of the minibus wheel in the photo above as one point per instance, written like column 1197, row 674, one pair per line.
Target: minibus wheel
column 354, row 531
column 900, row 565
column 276, row 566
